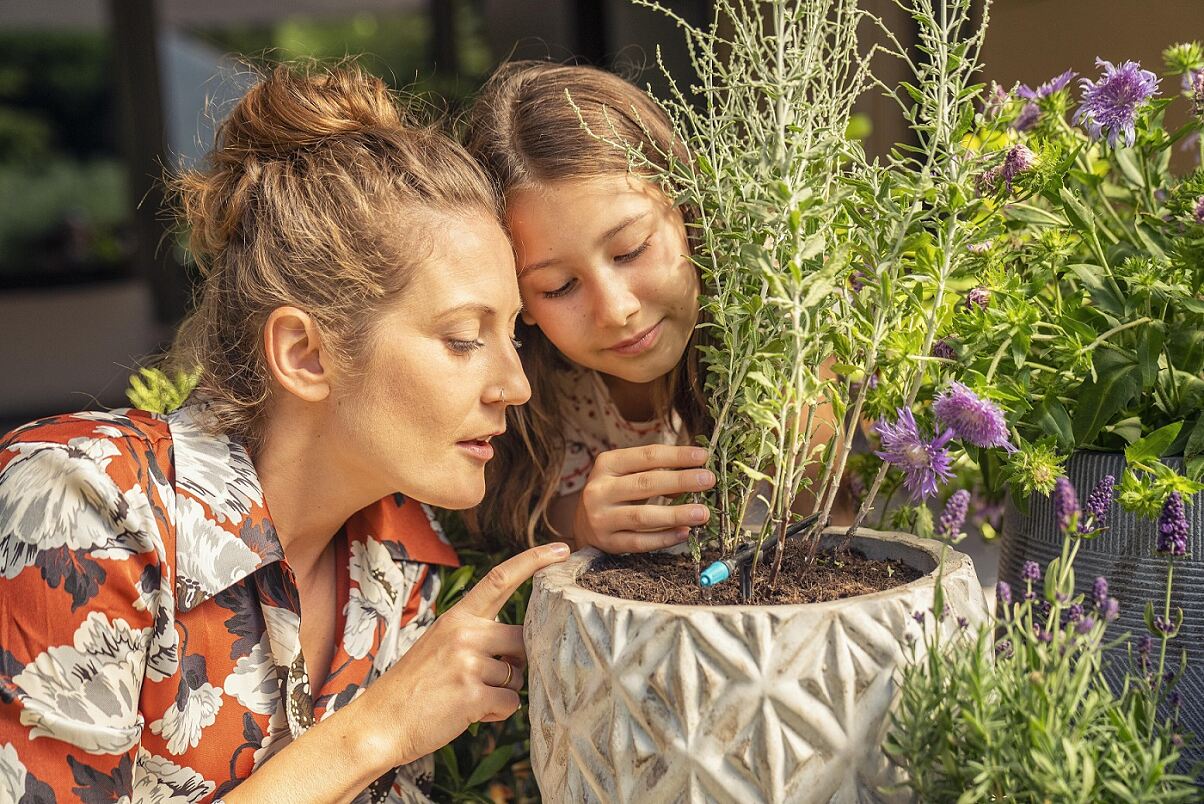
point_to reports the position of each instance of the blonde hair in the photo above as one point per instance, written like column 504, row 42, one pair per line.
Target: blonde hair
column 534, row 123
column 318, row 194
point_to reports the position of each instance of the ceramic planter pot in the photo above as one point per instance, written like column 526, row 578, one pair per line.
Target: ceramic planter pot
column 643, row 702
column 1124, row 554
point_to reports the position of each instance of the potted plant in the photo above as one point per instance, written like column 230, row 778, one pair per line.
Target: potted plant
column 811, row 256
column 1087, row 317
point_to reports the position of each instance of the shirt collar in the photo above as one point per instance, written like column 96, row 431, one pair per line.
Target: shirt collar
column 224, row 532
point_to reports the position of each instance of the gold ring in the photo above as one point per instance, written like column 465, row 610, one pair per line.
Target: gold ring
column 509, row 674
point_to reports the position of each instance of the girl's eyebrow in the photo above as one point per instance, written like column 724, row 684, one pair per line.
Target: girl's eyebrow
column 606, row 236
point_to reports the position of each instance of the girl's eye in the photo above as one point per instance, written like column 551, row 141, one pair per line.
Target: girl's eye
column 631, row 255
column 464, row 347
column 560, row 291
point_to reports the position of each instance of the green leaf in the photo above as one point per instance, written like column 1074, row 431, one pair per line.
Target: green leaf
column 1053, row 418
column 1153, row 446
column 490, row 765
column 1101, row 287
column 1036, row 216
column 1099, row 401
column 1149, row 349
column 1193, row 453
column 448, row 756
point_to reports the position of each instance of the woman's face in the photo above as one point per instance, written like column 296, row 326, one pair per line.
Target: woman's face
column 442, row 371
column 604, row 273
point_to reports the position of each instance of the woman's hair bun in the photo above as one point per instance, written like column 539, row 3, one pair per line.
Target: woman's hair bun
column 291, row 110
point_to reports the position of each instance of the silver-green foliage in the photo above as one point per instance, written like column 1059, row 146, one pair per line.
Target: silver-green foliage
column 787, row 210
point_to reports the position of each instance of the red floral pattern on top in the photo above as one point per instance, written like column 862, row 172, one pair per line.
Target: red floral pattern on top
column 593, row 425
column 150, row 625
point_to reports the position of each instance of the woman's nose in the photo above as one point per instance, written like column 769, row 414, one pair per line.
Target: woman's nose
column 514, row 381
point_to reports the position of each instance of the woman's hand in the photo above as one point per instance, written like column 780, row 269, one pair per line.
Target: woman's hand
column 467, row 667
column 612, row 513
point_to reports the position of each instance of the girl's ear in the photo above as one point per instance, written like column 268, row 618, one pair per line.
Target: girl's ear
column 293, row 347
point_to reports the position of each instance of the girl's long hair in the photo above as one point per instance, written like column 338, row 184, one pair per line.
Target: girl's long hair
column 534, row 123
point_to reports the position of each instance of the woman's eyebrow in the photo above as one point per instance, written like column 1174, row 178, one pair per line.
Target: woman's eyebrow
column 483, row 310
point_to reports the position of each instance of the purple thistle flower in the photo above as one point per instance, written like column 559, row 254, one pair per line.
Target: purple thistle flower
column 944, row 350
column 1065, row 504
column 979, row 297
column 994, row 100
column 1110, row 104
column 1019, row 160
column 1110, row 610
column 988, row 180
column 1099, row 504
column 1199, row 210
column 1003, row 592
column 979, row 248
column 1099, row 592
column 924, row 463
column 977, row 421
column 954, row 516
column 1172, row 526
column 1055, row 84
column 1031, row 571
column 1084, row 625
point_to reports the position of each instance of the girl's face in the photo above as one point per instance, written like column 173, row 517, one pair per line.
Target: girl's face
column 604, row 273
column 442, row 371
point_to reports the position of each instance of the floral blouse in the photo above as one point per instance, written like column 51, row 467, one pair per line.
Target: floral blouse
column 150, row 625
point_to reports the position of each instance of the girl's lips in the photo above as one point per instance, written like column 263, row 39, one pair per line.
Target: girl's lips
column 641, row 343
column 481, row 450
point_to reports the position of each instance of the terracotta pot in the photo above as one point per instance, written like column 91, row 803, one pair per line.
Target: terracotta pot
column 643, row 702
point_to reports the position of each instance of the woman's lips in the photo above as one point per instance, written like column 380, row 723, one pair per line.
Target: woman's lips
column 481, row 450
column 640, row 343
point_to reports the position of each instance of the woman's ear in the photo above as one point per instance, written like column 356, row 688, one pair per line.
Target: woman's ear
column 293, row 347
column 527, row 318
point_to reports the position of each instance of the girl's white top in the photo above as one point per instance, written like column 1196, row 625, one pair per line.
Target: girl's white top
column 593, row 425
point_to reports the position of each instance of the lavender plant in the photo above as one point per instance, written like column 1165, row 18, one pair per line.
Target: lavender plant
column 1087, row 306
column 1019, row 709
column 827, row 276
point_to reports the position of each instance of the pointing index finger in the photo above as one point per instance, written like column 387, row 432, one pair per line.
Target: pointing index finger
column 491, row 592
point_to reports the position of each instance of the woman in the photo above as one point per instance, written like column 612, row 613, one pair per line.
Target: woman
column 186, row 597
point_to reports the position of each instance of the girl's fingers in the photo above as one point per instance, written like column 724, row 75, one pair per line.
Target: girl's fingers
column 630, row 542
column 646, row 518
column 652, row 456
column 660, row 483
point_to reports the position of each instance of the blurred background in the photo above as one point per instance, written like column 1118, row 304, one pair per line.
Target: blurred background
column 98, row 96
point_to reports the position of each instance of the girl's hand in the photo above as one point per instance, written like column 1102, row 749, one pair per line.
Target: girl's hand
column 612, row 513
column 466, row 667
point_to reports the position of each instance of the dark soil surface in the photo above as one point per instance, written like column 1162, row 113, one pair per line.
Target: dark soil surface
column 667, row 578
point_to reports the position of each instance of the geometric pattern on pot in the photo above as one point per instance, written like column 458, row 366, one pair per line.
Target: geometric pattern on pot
column 638, row 702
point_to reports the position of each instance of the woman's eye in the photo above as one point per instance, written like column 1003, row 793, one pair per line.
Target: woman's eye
column 631, row 255
column 560, row 291
column 464, row 347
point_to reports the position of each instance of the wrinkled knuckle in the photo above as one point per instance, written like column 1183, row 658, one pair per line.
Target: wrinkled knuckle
column 496, row 580
column 638, row 518
column 649, row 453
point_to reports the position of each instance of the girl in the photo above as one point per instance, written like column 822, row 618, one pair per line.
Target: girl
column 610, row 304
column 185, row 597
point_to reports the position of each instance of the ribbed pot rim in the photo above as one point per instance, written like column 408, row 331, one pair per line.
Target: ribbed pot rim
column 562, row 579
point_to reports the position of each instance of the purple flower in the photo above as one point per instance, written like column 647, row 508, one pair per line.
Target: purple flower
column 944, row 350
column 1075, row 612
column 918, row 616
column 1199, row 210
column 1144, row 646
column 1065, row 504
column 1003, row 649
column 1099, row 592
column 1084, row 625
column 1163, row 625
column 1028, row 117
column 1172, row 526
column 988, row 180
column 1019, row 160
column 1031, row 571
column 963, row 623
column 1196, row 90
column 1055, row 84
column 1044, row 636
column 979, row 297
column 954, row 516
column 994, row 100
column 1003, row 591
column 1110, row 104
column 925, row 463
column 979, row 248
column 1110, row 610
column 977, row 421
column 1099, row 504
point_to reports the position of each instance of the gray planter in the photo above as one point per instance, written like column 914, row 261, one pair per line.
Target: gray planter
column 640, row 702
column 1124, row 554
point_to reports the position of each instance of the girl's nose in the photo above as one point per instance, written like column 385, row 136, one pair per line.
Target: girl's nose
column 614, row 302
